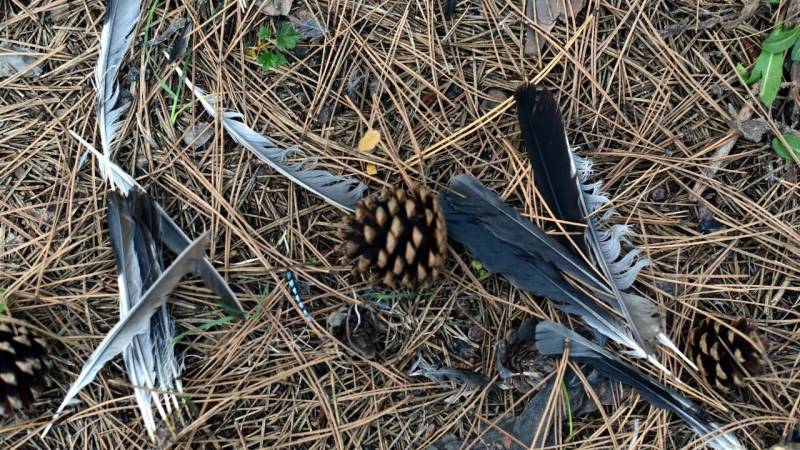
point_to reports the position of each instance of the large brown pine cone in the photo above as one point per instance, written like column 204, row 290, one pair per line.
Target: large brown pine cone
column 399, row 238
column 725, row 358
column 23, row 363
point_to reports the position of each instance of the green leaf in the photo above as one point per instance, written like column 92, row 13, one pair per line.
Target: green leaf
column 758, row 69
column 263, row 33
column 742, row 71
column 287, row 37
column 271, row 60
column 771, row 80
column 796, row 51
column 780, row 40
column 782, row 151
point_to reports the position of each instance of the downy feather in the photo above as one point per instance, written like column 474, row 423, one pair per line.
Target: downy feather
column 550, row 340
column 340, row 191
column 137, row 320
column 171, row 234
column 115, row 39
column 562, row 179
column 507, row 244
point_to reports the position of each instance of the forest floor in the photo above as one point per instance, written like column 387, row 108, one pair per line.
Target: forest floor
column 648, row 90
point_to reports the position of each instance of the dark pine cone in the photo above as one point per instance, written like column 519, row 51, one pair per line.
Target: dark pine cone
column 399, row 238
column 519, row 362
column 725, row 358
column 360, row 328
column 23, row 364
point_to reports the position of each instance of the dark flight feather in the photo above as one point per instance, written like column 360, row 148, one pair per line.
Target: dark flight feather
column 546, row 144
column 552, row 338
column 507, row 244
column 562, row 185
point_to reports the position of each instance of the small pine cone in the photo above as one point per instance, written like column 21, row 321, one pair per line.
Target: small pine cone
column 359, row 328
column 399, row 238
column 519, row 362
column 725, row 358
column 23, row 364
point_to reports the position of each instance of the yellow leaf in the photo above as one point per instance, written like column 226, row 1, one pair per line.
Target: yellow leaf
column 369, row 141
column 372, row 169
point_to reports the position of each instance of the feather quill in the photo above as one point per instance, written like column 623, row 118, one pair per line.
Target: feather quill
column 171, row 234
column 137, row 321
column 552, row 338
column 562, row 180
column 115, row 39
column 506, row 243
column 339, row 191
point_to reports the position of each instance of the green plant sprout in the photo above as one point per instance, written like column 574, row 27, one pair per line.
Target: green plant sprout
column 174, row 95
column 270, row 52
column 477, row 266
column 768, row 70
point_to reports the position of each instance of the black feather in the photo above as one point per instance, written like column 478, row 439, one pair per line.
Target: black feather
column 515, row 248
column 546, row 144
column 449, row 8
column 551, row 339
column 506, row 243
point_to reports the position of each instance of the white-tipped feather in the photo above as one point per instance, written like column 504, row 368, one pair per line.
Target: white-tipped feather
column 115, row 39
column 137, row 321
column 340, row 191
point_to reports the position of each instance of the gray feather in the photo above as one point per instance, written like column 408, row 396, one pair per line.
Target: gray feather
column 115, row 39
column 138, row 357
column 340, row 191
column 443, row 375
column 137, row 320
column 552, row 338
column 171, row 234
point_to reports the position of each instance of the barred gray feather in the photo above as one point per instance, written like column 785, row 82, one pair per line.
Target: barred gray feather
column 338, row 190
column 115, row 39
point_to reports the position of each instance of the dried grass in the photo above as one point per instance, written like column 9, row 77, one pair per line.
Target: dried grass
column 650, row 111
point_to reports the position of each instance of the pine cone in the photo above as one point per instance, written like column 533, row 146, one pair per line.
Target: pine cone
column 518, row 359
column 725, row 358
column 23, row 364
column 398, row 238
column 360, row 328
